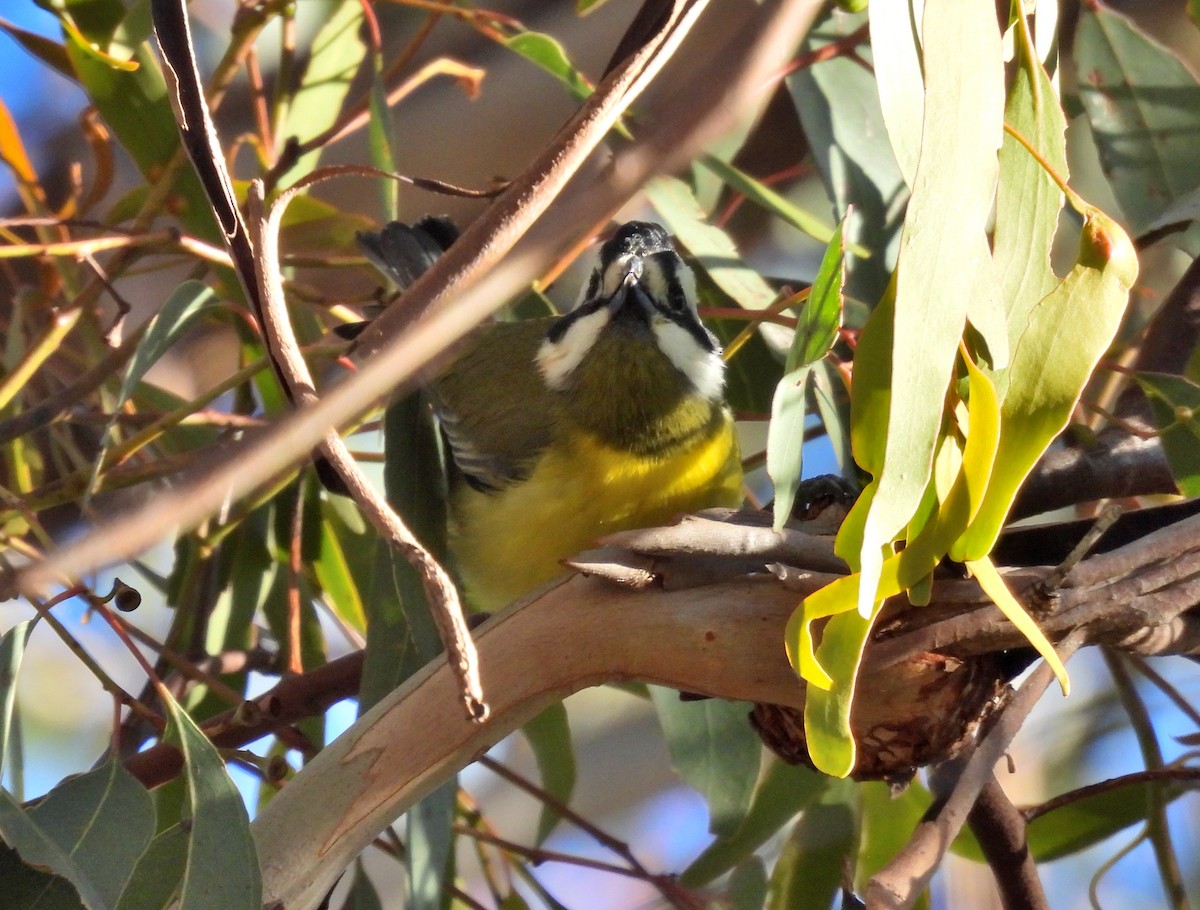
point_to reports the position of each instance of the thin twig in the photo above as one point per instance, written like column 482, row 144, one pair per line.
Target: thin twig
column 1157, row 830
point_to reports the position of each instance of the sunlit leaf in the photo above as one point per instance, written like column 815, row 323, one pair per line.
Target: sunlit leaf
column 816, row 331
column 550, row 55
column 896, row 52
column 1051, row 364
column 334, row 59
column 943, row 256
column 1028, row 198
column 711, row 248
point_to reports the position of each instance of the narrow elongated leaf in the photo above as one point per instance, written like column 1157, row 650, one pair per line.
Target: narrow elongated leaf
column 711, row 247
column 548, row 54
column 135, row 107
column 782, row 792
column 886, row 823
column 765, row 197
column 896, row 51
column 816, row 332
column 1028, row 198
column 549, row 736
column 1142, row 104
column 337, row 51
column 1175, row 401
column 838, row 104
column 49, row 52
column 747, row 889
column 714, row 750
column 221, row 872
column 1051, row 364
column 103, row 820
column 943, row 255
column 12, row 650
column 808, row 873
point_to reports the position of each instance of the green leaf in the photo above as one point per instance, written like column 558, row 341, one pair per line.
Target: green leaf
column 715, row 751
column 337, row 51
column 549, row 55
column 347, row 546
column 808, row 873
column 12, row 650
column 896, row 53
column 816, row 332
column 37, row 848
column 221, row 871
column 944, row 258
column 430, row 858
column 549, row 736
column 711, row 247
column 1142, row 104
column 837, row 101
column 765, row 197
column 1175, row 402
column 747, row 888
column 1051, row 364
column 156, row 877
column 783, row 792
column 136, row 109
column 1028, row 199
column 887, row 821
column 103, row 820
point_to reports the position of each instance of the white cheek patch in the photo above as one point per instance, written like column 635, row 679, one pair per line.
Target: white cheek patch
column 558, row 359
column 704, row 369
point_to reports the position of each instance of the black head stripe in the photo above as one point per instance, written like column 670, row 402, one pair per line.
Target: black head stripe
column 560, row 326
column 637, row 238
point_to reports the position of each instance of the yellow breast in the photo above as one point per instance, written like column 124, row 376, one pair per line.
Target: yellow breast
column 508, row 542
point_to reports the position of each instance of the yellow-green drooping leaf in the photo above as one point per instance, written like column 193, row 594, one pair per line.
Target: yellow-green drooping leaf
column 816, row 332
column 943, row 258
column 1068, row 332
column 995, row 588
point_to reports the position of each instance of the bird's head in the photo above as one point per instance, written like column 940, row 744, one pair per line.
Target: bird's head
column 641, row 296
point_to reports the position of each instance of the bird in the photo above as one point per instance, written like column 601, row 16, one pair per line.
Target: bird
column 563, row 429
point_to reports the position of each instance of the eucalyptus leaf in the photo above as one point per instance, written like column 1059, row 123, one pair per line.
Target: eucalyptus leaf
column 549, row 736
column 816, row 331
column 336, row 53
column 104, row 820
column 944, row 256
column 221, row 871
column 782, row 792
column 1175, row 403
column 808, row 873
column 12, row 650
column 1143, row 105
column 38, row 848
column 715, row 751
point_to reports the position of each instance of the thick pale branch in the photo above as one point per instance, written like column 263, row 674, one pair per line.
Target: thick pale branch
column 723, row 640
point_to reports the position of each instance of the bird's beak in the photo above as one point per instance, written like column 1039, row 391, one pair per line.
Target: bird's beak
column 629, row 288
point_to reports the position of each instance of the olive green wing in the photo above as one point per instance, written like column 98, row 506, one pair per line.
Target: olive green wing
column 496, row 412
